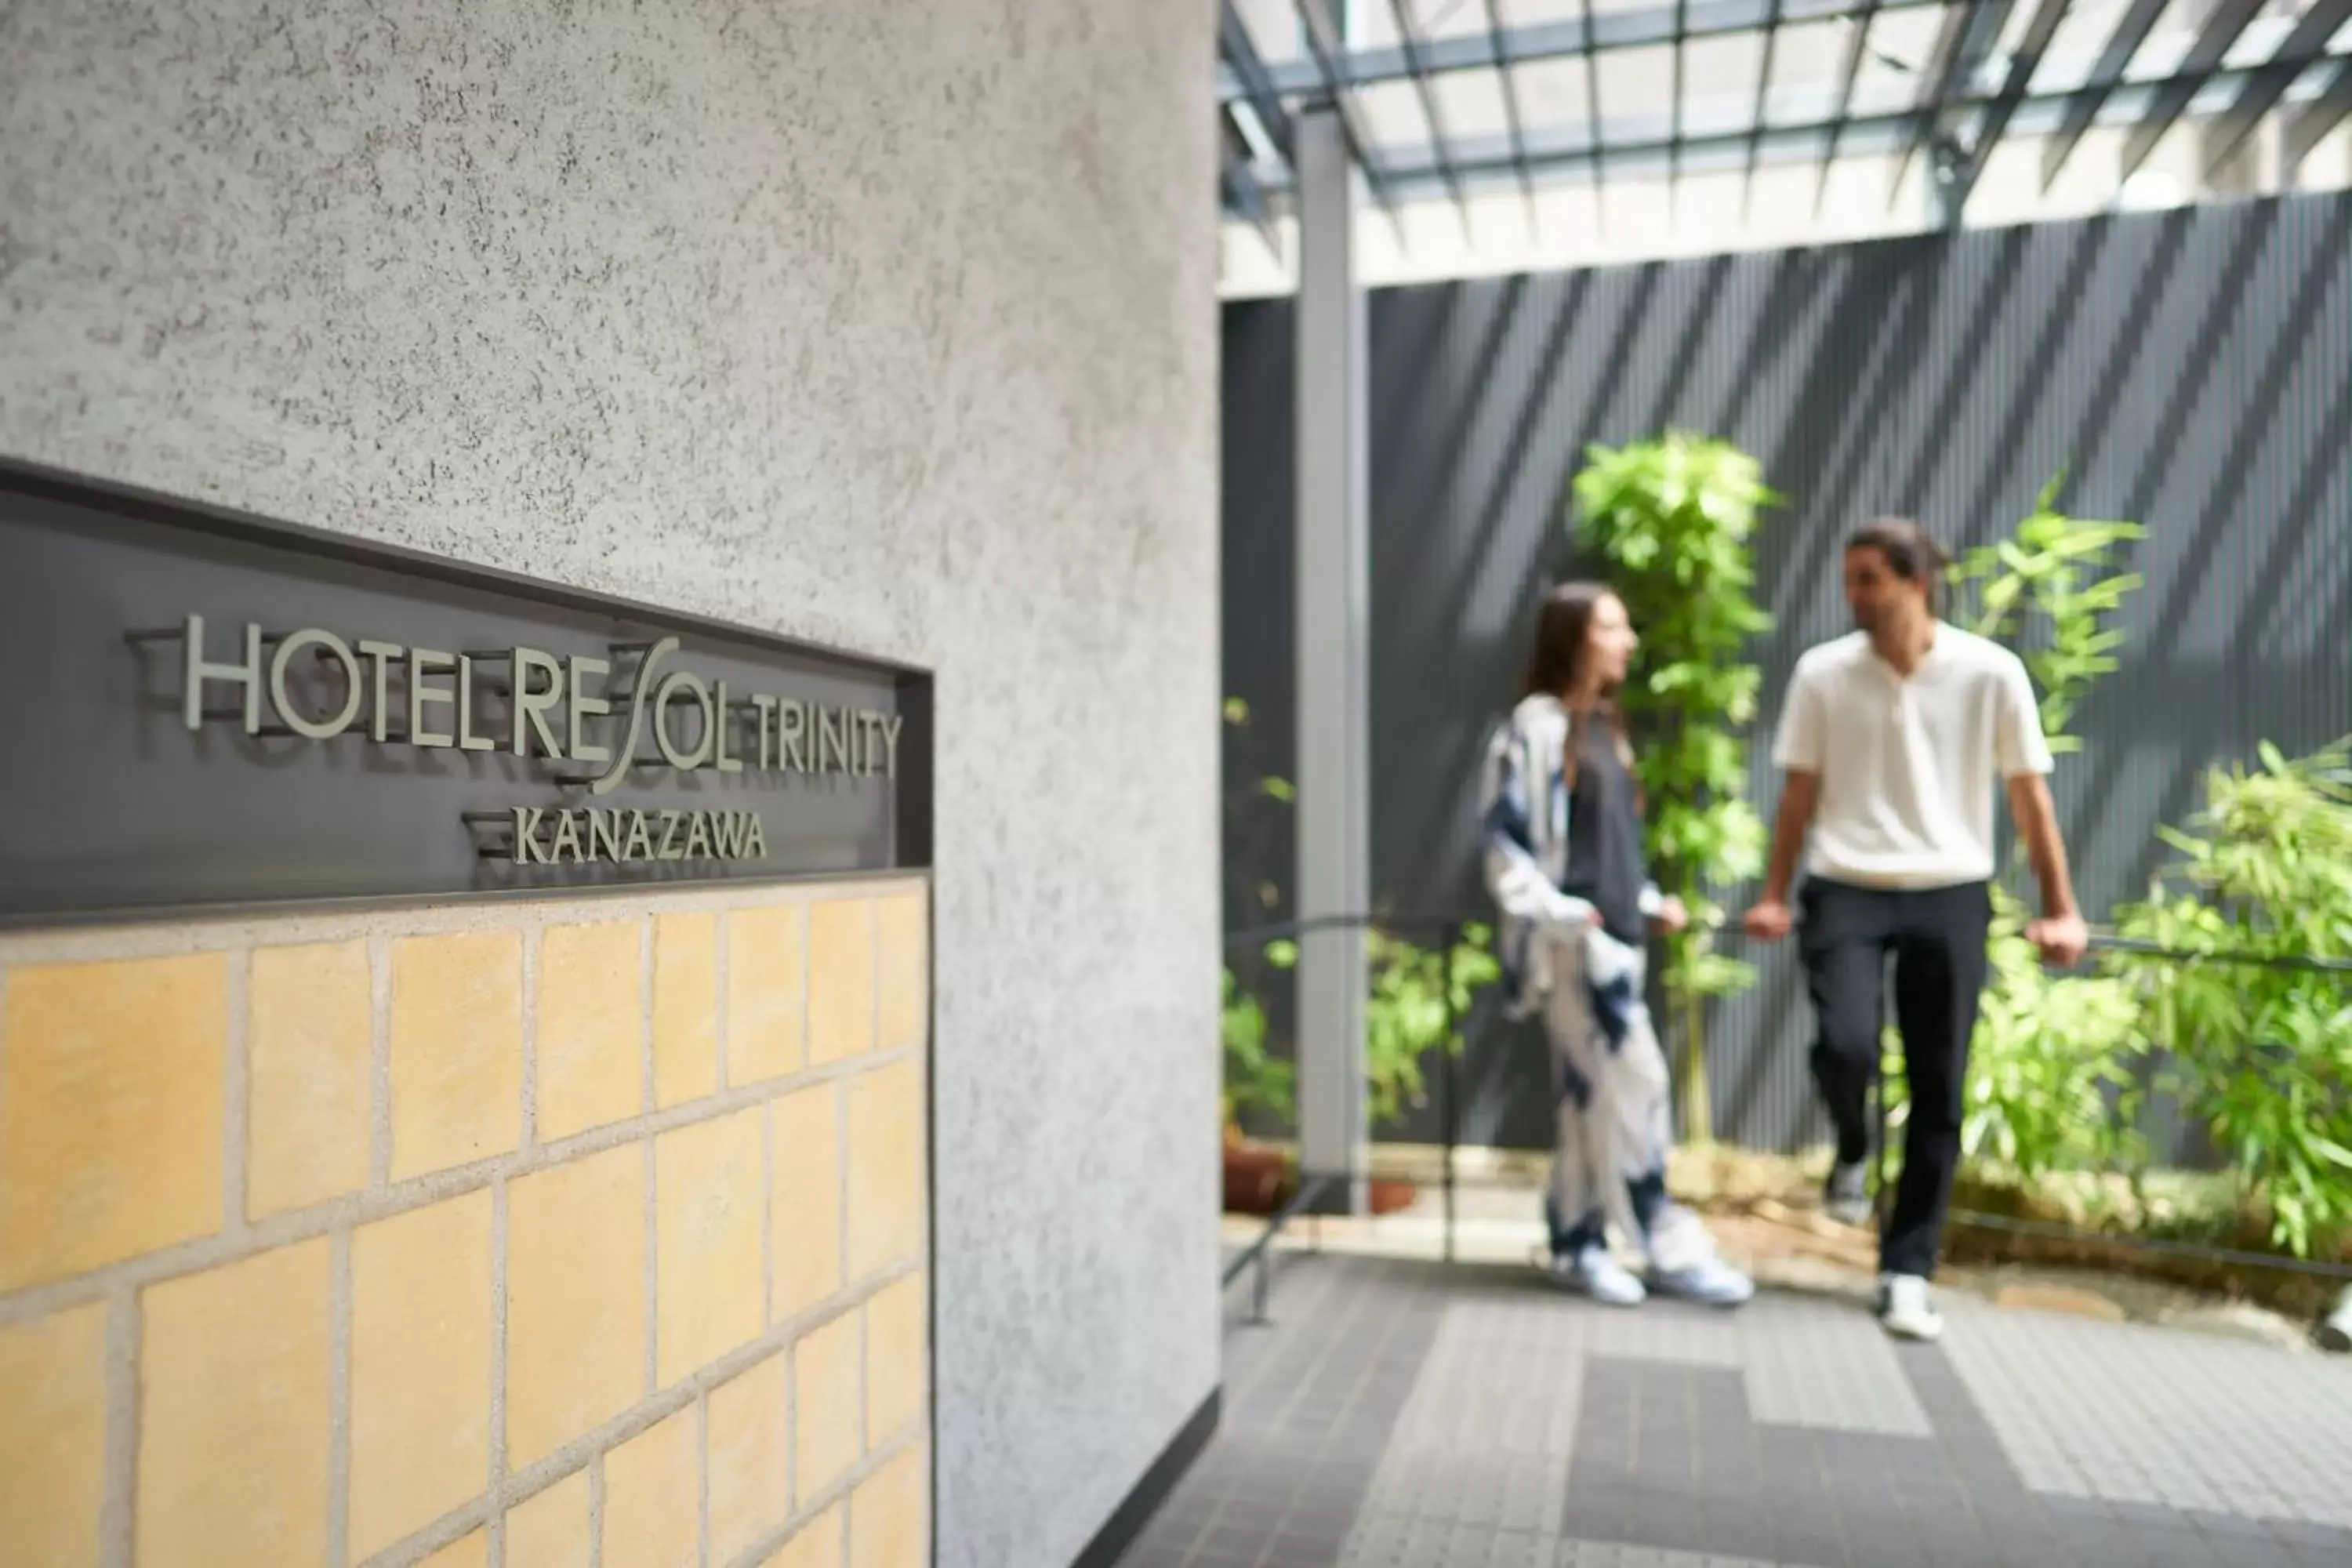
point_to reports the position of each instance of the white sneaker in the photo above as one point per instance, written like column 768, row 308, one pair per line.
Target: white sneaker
column 1906, row 1310
column 1595, row 1272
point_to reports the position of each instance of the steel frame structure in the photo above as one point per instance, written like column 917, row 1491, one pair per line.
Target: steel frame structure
column 1989, row 76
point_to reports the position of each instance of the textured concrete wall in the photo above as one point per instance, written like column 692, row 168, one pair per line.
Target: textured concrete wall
column 448, row 1239
column 886, row 325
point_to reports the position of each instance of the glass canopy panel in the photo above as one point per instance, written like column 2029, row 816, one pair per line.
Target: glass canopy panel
column 1555, row 102
column 1273, row 26
column 1470, row 101
column 1719, row 83
column 1806, row 59
column 1394, row 119
column 1637, row 88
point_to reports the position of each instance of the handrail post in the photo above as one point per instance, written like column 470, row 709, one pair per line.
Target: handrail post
column 1446, row 1085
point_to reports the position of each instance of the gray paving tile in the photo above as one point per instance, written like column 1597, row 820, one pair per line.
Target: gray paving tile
column 2135, row 1414
column 1399, row 1416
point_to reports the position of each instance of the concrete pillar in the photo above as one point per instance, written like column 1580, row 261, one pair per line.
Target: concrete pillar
column 1334, row 698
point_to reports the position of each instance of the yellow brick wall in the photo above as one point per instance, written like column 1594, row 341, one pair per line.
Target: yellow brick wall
column 520, row 1236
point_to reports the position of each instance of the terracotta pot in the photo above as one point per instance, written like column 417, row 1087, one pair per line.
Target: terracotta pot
column 1257, row 1179
column 1387, row 1197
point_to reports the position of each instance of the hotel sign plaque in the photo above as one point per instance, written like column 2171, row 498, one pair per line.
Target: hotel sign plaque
column 212, row 711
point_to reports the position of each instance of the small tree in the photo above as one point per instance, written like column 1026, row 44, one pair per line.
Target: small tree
column 1672, row 518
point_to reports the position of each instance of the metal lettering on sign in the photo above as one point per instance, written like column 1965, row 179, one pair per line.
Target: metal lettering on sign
column 209, row 711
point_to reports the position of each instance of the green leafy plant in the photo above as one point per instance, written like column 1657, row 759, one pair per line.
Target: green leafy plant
column 2060, row 569
column 2051, row 1082
column 1405, row 1016
column 1254, row 1080
column 2262, row 1055
column 1672, row 518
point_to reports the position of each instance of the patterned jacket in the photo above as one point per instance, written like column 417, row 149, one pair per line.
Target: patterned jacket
column 1525, row 834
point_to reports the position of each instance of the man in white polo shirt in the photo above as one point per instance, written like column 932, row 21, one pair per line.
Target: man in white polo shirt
column 1890, row 741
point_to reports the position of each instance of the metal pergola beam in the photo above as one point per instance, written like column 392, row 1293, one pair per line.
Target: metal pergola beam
column 2122, row 43
column 1410, row 32
column 1994, row 124
column 1613, row 30
column 1645, row 145
column 1756, row 116
column 1675, row 154
column 1329, row 45
column 2220, row 32
column 1963, row 44
column 2306, row 125
column 1511, row 120
column 2260, row 96
column 1856, row 42
column 1592, row 112
column 1242, row 192
column 1255, row 84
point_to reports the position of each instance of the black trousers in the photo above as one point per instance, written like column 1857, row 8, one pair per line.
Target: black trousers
column 1936, row 937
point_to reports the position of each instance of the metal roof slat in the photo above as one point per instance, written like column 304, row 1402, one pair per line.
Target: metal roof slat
column 2044, row 28
column 1257, row 84
column 2319, row 117
column 1592, row 123
column 1615, row 29
column 1242, row 190
column 1324, row 38
column 1855, row 44
column 1970, row 30
column 2260, row 96
column 1408, row 31
column 2122, row 43
column 2220, row 32
column 1570, row 152
column 1756, row 118
column 1511, row 121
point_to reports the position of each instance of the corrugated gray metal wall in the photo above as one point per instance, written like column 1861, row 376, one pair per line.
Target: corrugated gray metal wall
column 2192, row 371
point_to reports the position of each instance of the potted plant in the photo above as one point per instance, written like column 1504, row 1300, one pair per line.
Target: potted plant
column 1257, row 1176
column 1405, row 1019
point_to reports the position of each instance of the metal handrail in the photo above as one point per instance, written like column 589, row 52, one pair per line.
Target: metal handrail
column 2100, row 942
column 1450, row 926
column 1311, row 1188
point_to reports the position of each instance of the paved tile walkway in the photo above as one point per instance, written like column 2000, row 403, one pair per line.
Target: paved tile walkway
column 1406, row 1414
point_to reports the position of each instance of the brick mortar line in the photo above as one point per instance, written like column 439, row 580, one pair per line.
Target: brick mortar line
column 650, row 1201
column 379, row 952
column 839, row 1492
column 589, row 1449
column 168, row 939
column 595, row 1469
column 766, row 1215
column 341, row 1293
column 721, row 1021
column 355, row 1209
column 236, row 1094
column 648, row 1070
column 702, row 1478
column 117, row 1515
column 531, row 961
column 500, row 1212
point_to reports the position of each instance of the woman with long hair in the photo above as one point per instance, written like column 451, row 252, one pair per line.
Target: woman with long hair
column 1565, row 865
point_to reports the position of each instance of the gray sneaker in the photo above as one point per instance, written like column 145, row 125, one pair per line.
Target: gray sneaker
column 1846, row 1197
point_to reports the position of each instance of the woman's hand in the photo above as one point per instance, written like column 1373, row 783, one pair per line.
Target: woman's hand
column 1670, row 916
